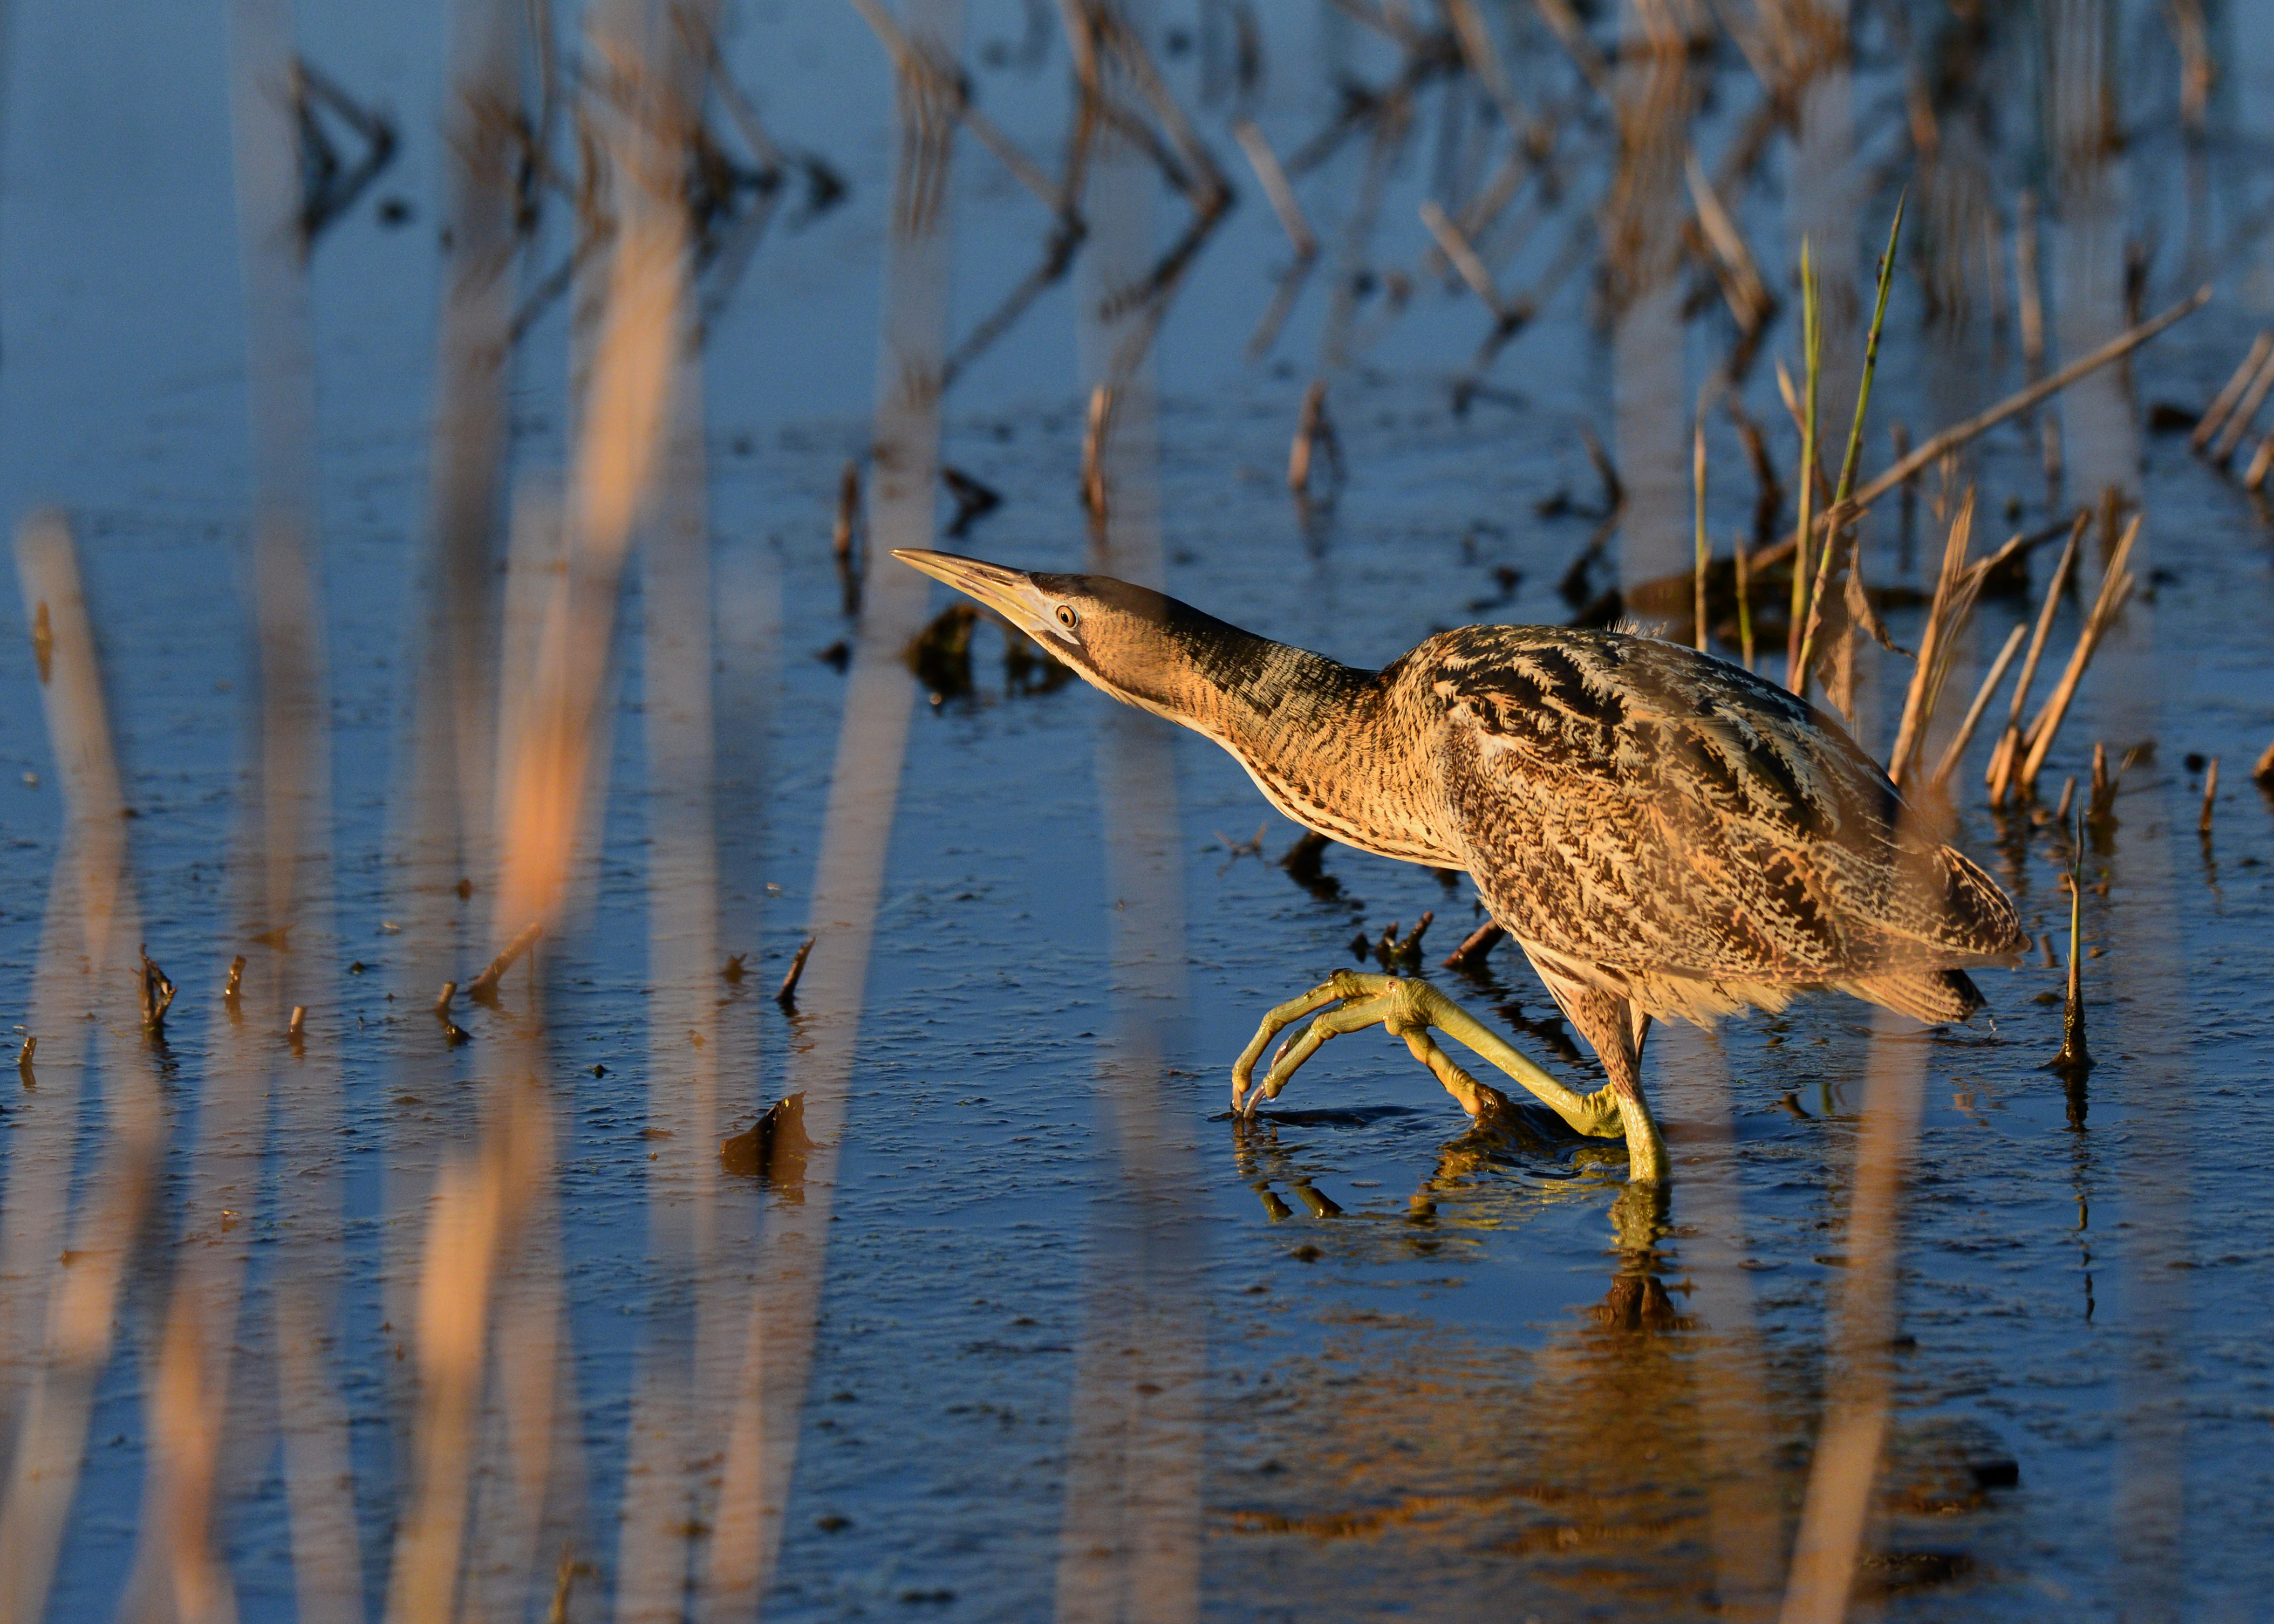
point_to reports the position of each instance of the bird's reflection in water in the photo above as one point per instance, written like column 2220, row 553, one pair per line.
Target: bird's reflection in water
column 1582, row 1466
column 1412, row 1468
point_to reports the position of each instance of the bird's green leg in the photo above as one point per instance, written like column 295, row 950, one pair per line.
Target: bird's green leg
column 1409, row 1008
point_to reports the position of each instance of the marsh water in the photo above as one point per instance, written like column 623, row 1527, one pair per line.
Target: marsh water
column 1378, row 1362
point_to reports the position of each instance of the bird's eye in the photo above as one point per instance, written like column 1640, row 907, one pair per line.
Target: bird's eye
column 1067, row 618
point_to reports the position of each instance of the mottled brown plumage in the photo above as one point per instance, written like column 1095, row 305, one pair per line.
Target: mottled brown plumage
column 1664, row 833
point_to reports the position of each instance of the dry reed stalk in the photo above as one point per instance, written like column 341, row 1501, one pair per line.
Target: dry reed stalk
column 1745, row 1520
column 2238, row 421
column 2209, row 798
column 56, row 1324
column 1955, row 592
column 760, row 1429
column 844, row 537
column 483, row 988
column 1698, row 484
column 2262, row 461
column 2075, row 1057
column 1475, row 945
column 915, row 57
column 2100, row 808
column 1851, row 1436
column 2215, row 414
column 2264, row 772
column 1462, row 255
column 1276, row 188
column 1956, row 748
column 786, row 994
column 1748, row 294
column 685, row 1369
column 2067, row 795
column 476, row 1204
column 2008, row 754
column 1482, row 59
column 2115, row 586
column 1131, row 1525
column 2198, row 73
column 201, row 1445
column 1564, row 22
column 1950, row 438
column 1095, row 428
column 1811, row 348
column 1314, row 432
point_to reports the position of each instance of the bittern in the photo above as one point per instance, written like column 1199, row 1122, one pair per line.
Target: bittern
column 1664, row 833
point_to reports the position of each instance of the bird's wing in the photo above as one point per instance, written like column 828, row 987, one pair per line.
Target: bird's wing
column 1633, row 804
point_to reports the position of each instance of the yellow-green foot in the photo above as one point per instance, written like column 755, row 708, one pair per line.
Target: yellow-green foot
column 1409, row 1008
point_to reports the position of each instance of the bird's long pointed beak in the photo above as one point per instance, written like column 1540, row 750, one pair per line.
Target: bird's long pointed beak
column 1009, row 592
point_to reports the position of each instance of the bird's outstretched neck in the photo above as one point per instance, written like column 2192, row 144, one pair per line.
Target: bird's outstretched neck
column 1340, row 750
column 1322, row 741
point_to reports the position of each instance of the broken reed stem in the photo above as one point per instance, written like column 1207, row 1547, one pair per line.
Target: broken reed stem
column 786, row 995
column 1314, row 431
column 1811, row 345
column 442, row 999
column 2115, row 586
column 1698, row 481
column 233, row 988
column 1944, row 768
column 2262, row 461
column 2006, row 757
column 2238, row 422
column 1464, row 259
column 1473, row 949
column 2223, row 402
column 2210, row 795
column 2075, row 1058
column 2264, row 772
column 1855, row 451
column 157, row 994
column 2068, row 796
column 842, row 536
column 483, row 987
column 1276, row 186
column 1093, row 449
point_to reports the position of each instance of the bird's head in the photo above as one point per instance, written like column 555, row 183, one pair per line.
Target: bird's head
column 1141, row 646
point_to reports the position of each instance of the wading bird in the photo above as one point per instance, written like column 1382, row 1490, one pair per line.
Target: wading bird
column 1663, row 833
